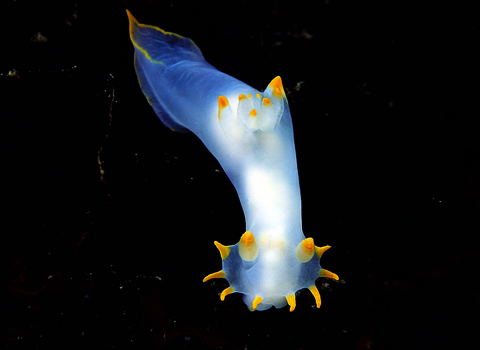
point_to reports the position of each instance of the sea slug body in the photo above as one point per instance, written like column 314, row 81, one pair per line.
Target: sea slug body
column 251, row 135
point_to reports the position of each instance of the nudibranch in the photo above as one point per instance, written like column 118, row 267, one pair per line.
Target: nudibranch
column 251, row 135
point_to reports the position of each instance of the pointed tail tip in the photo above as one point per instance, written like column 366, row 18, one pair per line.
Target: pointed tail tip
column 131, row 18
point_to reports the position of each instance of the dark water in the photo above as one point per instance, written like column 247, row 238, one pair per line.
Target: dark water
column 384, row 105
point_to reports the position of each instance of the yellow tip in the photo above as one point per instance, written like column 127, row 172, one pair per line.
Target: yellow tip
column 326, row 273
column 131, row 22
column 133, row 26
column 224, row 250
column 248, row 247
column 316, row 295
column 276, row 83
column 291, row 301
column 222, row 102
column 256, row 301
column 305, row 250
column 266, row 102
column 253, row 113
column 241, row 97
column 130, row 17
column 320, row 250
column 218, row 274
column 226, row 292
column 308, row 244
column 277, row 93
column 248, row 239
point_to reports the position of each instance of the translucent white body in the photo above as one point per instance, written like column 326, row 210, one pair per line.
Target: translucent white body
column 251, row 135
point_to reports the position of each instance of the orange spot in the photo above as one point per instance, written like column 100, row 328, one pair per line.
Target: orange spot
column 247, row 247
column 266, row 102
column 247, row 238
column 253, row 113
column 222, row 102
column 249, row 95
column 241, row 97
column 276, row 83
column 256, row 301
column 277, row 93
column 305, row 250
column 308, row 244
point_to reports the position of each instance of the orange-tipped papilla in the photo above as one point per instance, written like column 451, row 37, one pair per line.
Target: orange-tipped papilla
column 256, row 302
column 305, row 250
column 223, row 249
column 218, row 274
column 316, row 295
column 223, row 105
column 329, row 274
column 224, row 252
column 226, row 292
column 320, row 250
column 276, row 83
column 291, row 301
column 248, row 247
column 246, row 112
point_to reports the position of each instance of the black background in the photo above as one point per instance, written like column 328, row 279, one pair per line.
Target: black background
column 385, row 121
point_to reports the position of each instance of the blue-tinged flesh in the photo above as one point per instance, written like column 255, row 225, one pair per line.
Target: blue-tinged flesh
column 251, row 135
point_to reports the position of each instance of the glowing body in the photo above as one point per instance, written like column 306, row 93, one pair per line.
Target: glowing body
column 251, row 135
